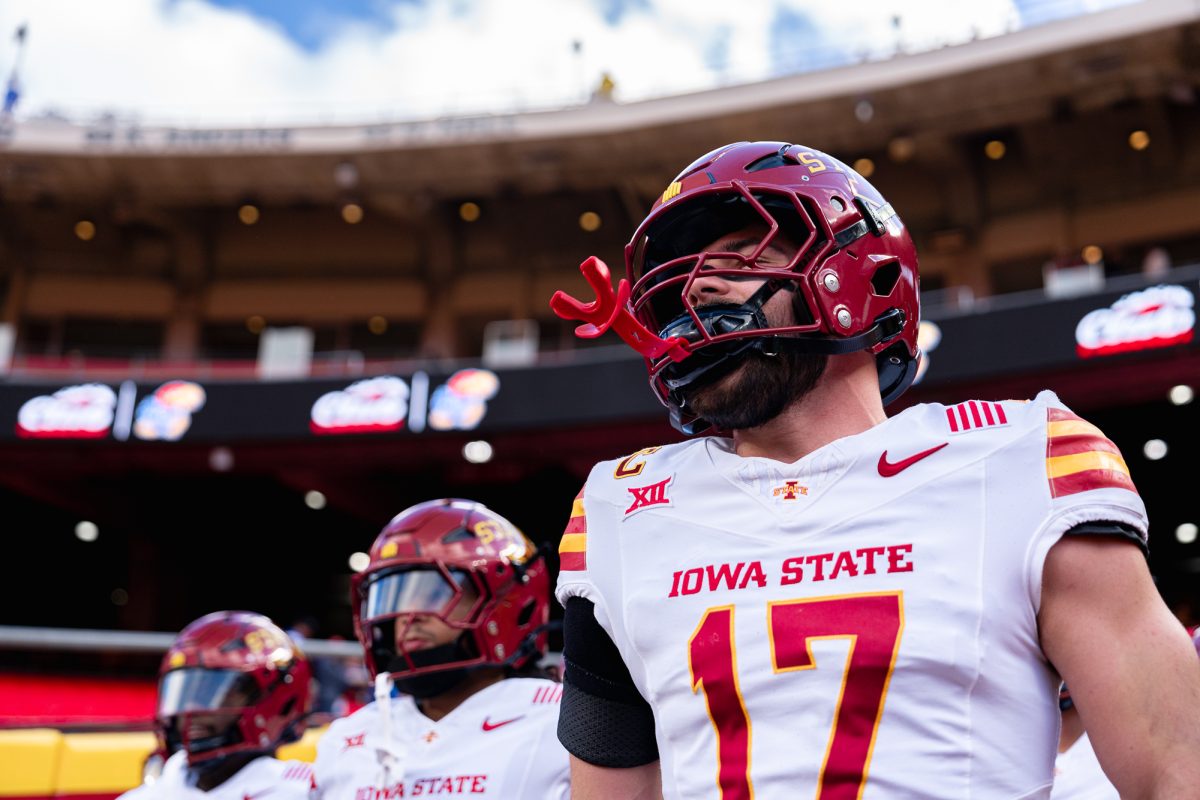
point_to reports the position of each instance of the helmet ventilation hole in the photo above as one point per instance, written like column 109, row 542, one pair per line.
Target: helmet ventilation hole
column 526, row 614
column 885, row 278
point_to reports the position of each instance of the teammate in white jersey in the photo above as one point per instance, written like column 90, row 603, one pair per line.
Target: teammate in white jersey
column 232, row 688
column 1077, row 773
column 452, row 610
column 830, row 603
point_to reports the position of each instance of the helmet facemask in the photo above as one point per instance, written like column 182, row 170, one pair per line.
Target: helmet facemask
column 820, row 231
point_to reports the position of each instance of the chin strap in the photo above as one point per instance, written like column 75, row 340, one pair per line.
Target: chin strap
column 611, row 310
column 389, row 752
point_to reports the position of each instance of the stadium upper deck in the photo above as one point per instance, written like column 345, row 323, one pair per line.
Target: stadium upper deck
column 406, row 238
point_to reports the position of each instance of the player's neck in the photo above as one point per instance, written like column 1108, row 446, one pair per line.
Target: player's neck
column 844, row 402
column 442, row 704
column 208, row 779
column 1072, row 729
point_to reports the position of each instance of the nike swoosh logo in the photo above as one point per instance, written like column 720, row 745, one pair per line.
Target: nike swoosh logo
column 887, row 468
column 491, row 726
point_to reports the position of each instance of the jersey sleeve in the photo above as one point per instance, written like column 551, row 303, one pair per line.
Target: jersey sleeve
column 574, row 580
column 1087, row 481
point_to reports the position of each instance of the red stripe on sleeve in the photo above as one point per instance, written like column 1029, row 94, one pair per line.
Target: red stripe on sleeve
column 573, row 561
column 975, row 414
column 1088, row 480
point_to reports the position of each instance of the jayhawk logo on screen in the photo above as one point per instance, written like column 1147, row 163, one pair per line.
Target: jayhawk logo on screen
column 167, row 413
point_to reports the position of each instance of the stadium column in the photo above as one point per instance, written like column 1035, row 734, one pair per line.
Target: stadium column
column 192, row 254
column 442, row 253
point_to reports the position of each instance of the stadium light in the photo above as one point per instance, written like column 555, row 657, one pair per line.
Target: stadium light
column 352, row 213
column 85, row 229
column 1181, row 395
column 255, row 324
column 469, row 212
column 359, row 561
column 1092, row 254
column 995, row 149
column 1154, row 450
column 87, row 531
column 248, row 213
column 864, row 167
column 314, row 499
column 377, row 324
column 590, row 221
column 901, row 149
column 1186, row 533
column 477, row 452
column 1139, row 140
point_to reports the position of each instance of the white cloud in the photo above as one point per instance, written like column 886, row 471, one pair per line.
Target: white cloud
column 187, row 62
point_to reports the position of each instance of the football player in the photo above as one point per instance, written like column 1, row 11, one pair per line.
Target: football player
column 452, row 611
column 232, row 688
column 823, row 601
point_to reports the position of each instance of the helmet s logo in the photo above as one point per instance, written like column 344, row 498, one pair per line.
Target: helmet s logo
column 646, row 496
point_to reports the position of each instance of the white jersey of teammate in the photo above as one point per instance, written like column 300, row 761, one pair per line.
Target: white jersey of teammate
column 284, row 780
column 861, row 623
column 499, row 743
column 1077, row 775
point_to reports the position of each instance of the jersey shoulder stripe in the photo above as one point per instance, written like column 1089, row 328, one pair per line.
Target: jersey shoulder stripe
column 572, row 550
column 1080, row 458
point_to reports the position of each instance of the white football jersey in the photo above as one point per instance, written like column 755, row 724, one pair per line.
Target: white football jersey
column 1077, row 775
column 500, row 743
column 282, row 780
column 861, row 623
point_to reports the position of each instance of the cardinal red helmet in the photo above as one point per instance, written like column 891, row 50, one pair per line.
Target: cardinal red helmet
column 845, row 253
column 232, row 682
column 430, row 560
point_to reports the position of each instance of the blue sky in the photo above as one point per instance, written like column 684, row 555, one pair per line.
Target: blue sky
column 250, row 62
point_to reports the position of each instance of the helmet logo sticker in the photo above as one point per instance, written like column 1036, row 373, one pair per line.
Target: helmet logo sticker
column 649, row 496
column 672, row 191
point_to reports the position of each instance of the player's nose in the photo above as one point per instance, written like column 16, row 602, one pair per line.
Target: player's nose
column 707, row 289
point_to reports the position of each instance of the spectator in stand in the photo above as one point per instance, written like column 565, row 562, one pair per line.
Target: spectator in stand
column 1156, row 263
column 328, row 673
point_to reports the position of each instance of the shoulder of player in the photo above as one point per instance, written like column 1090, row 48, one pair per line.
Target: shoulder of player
column 290, row 771
column 535, row 693
column 342, row 727
column 989, row 424
column 648, row 461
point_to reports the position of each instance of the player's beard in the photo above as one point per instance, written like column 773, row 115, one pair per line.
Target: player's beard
column 758, row 390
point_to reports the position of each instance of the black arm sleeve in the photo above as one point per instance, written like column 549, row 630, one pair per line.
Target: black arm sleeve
column 603, row 719
column 1117, row 529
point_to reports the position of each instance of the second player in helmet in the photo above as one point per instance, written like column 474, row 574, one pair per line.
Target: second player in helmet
column 451, row 612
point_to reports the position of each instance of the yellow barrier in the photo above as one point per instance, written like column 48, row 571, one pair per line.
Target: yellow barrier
column 29, row 761
column 43, row 762
column 98, row 763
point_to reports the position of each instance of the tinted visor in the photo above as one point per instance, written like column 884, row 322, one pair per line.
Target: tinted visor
column 197, row 689
column 413, row 591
